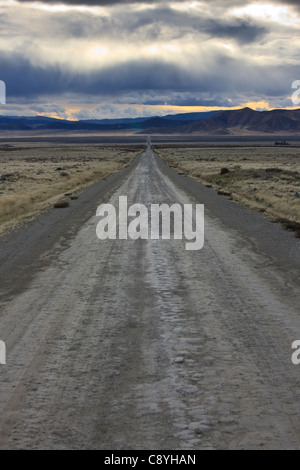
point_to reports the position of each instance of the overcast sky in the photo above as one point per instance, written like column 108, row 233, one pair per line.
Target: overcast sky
column 80, row 59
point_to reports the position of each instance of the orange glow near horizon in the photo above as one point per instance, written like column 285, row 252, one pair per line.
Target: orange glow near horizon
column 72, row 113
column 54, row 115
column 162, row 110
column 257, row 105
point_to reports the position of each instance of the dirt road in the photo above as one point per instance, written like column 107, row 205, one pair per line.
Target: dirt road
column 123, row 344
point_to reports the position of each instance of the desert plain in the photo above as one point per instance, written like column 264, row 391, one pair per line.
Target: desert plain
column 35, row 177
column 263, row 178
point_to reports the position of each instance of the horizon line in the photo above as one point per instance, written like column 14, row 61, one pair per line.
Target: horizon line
column 234, row 108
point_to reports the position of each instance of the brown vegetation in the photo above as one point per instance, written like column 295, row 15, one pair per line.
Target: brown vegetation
column 36, row 177
column 263, row 178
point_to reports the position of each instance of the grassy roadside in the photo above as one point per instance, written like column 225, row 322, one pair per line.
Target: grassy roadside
column 265, row 179
column 33, row 179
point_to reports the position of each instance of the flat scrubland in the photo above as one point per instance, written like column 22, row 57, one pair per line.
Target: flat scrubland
column 266, row 179
column 35, row 177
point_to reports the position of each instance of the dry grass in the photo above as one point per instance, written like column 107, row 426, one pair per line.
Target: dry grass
column 35, row 178
column 263, row 178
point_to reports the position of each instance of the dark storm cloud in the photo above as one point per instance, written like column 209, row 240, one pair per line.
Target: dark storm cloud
column 160, row 23
column 120, row 2
column 228, row 4
column 25, row 79
column 242, row 31
column 189, row 99
column 91, row 2
column 225, row 76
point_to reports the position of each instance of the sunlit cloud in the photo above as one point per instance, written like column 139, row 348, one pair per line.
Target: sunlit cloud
column 257, row 105
column 185, row 6
column 61, row 7
column 98, row 51
column 152, row 50
column 229, row 47
column 171, row 48
column 268, row 12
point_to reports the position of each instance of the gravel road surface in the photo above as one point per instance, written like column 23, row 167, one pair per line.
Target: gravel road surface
column 141, row 344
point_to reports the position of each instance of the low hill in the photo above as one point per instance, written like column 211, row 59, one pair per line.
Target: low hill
column 242, row 122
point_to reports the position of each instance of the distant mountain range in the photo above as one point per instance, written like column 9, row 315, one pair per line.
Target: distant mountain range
column 247, row 121
column 244, row 121
column 40, row 123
